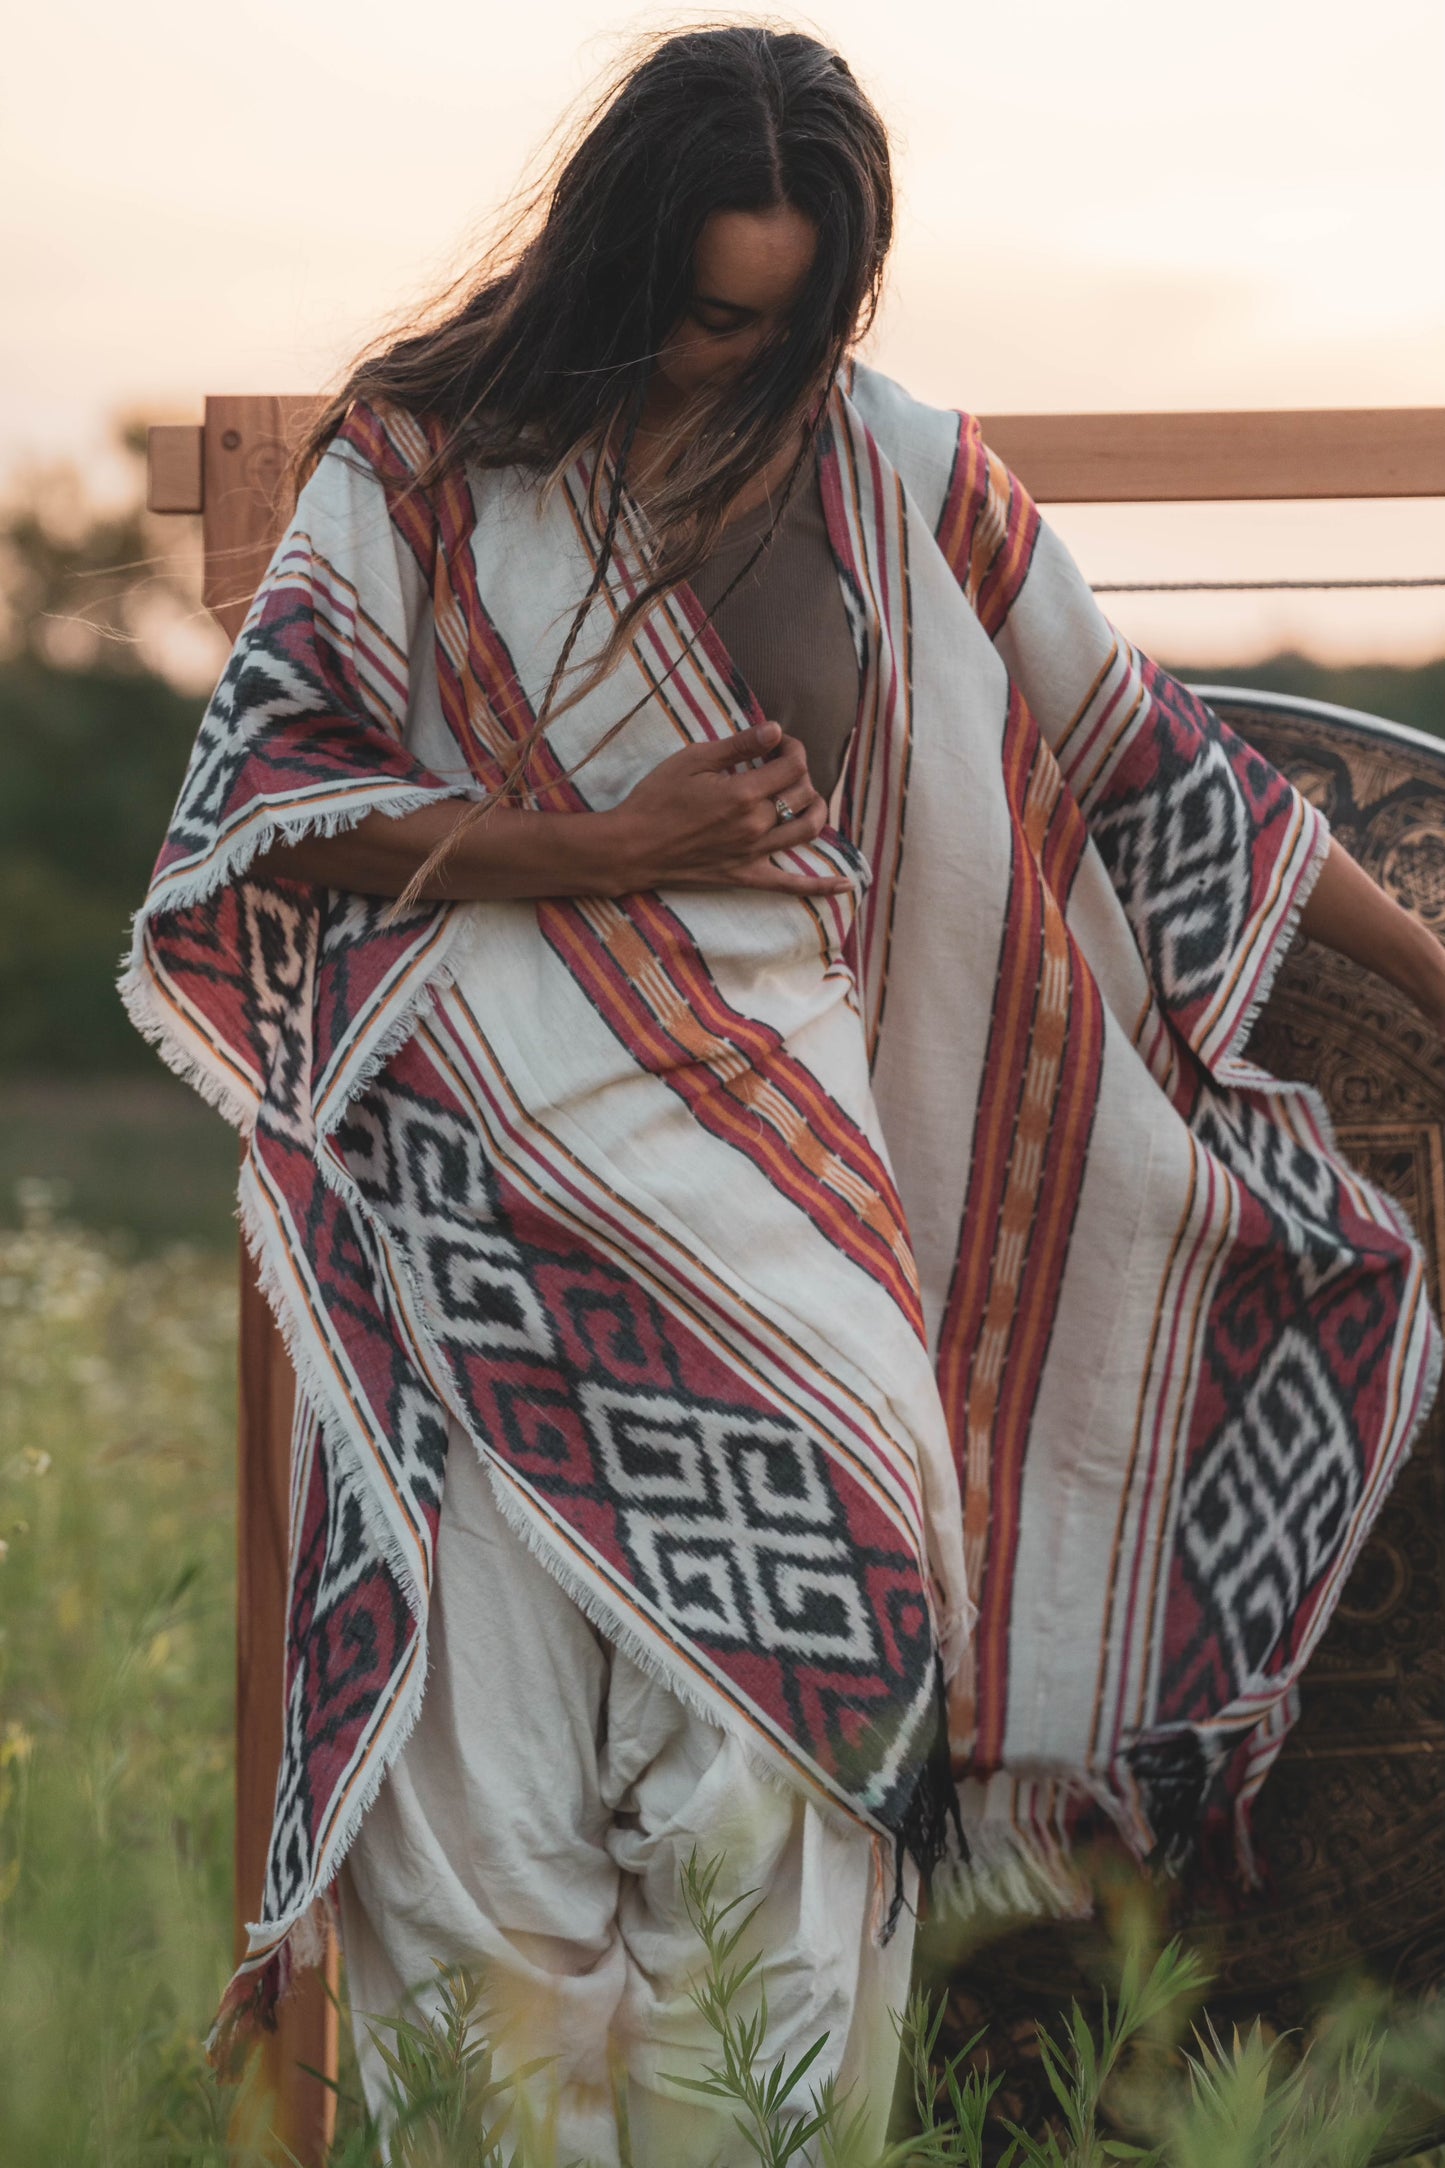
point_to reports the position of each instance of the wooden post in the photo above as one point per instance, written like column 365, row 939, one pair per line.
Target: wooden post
column 234, row 471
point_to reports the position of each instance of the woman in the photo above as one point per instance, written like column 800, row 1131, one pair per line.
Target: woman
column 791, row 1273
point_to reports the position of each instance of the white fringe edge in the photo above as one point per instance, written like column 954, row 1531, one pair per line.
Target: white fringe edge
column 395, row 1026
column 298, row 1941
column 1011, row 1874
column 186, row 1052
column 188, row 1057
column 269, row 1939
column 1228, row 1054
column 763, row 1761
column 316, row 1381
column 299, row 1936
column 1014, row 1873
column 282, row 824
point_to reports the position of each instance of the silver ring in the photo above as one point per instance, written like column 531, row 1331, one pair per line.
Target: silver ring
column 784, row 810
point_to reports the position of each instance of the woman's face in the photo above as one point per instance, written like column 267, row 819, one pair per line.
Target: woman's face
column 748, row 270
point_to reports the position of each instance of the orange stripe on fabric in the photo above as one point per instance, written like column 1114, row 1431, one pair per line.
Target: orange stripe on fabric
column 734, row 1111
column 993, row 1125
column 1087, row 702
column 1056, row 1114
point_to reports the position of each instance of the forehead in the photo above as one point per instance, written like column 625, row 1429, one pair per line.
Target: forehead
column 754, row 259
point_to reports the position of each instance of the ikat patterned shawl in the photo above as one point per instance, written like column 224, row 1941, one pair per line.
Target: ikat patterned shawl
column 846, row 1296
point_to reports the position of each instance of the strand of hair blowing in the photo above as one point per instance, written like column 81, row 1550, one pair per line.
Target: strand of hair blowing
column 549, row 349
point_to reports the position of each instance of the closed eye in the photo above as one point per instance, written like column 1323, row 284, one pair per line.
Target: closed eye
column 720, row 317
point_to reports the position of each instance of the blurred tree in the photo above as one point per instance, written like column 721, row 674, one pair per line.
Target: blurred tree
column 103, row 647
column 102, row 586
column 1405, row 695
column 90, row 763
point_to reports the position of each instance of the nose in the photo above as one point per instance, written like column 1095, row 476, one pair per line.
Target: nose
column 735, row 356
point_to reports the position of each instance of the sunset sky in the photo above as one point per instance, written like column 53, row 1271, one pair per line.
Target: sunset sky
column 1134, row 204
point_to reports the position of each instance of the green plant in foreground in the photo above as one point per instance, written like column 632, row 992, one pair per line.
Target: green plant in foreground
column 450, row 2104
column 1243, row 2103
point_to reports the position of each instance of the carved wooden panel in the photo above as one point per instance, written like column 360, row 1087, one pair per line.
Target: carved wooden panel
column 1351, row 1823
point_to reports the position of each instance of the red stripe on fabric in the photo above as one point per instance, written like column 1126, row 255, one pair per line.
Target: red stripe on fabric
column 365, row 633
column 1001, row 585
column 1015, row 994
column 962, row 496
column 731, row 1115
column 1061, row 1185
column 766, row 1048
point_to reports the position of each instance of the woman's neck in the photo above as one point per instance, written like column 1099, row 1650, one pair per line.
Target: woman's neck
column 661, row 432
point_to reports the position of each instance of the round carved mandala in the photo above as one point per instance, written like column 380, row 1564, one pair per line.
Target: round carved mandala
column 1414, row 867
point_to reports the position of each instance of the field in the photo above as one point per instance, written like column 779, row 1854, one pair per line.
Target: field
column 116, row 1392
column 138, row 1155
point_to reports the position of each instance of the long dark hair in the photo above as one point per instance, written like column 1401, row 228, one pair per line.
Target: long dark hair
column 548, row 348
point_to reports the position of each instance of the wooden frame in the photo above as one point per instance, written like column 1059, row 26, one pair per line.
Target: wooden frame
column 233, row 469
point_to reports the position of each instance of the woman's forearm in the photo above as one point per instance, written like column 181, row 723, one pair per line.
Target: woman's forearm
column 1350, row 913
column 711, row 815
column 508, row 853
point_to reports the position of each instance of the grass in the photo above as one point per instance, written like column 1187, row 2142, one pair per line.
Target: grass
column 116, row 1621
column 139, row 1155
column 116, row 1665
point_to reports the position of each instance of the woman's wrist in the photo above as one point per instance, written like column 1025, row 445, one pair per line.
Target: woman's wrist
column 513, row 854
column 601, row 856
column 1421, row 970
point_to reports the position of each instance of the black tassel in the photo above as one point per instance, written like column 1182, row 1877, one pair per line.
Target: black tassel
column 932, row 1827
column 1175, row 1776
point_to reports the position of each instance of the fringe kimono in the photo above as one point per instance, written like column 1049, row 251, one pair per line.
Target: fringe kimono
column 846, row 1295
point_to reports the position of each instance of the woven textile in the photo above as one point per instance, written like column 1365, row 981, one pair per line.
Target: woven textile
column 845, row 1294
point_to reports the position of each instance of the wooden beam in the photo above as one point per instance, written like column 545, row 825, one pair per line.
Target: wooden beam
column 174, row 467
column 1190, row 458
column 1061, row 459
column 250, row 443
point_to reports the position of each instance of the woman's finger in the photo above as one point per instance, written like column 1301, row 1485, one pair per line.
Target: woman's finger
column 787, row 768
column 754, row 743
column 808, row 820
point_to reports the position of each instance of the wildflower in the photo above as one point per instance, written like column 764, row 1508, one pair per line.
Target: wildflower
column 16, row 1743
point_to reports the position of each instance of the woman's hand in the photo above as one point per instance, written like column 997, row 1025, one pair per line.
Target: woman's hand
column 701, row 819
column 704, row 818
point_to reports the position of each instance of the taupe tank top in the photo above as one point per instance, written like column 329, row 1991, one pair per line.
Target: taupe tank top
column 786, row 627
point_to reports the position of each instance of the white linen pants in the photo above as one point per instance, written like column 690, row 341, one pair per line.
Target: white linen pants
column 535, row 1827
